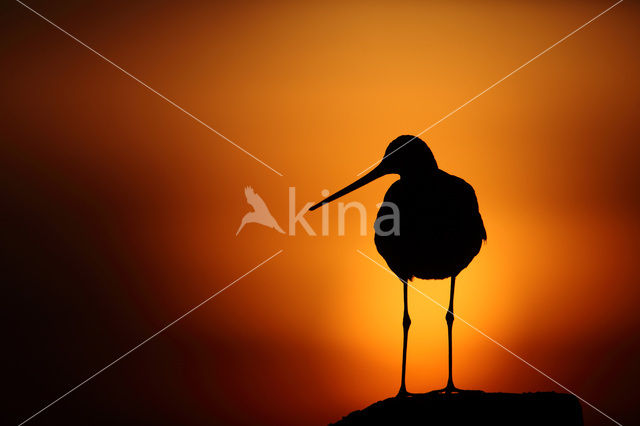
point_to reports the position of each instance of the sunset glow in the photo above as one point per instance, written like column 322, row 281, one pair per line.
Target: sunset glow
column 126, row 208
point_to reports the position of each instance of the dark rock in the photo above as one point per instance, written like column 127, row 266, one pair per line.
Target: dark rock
column 471, row 408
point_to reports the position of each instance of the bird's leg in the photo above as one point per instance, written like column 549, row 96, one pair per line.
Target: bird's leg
column 449, row 317
column 406, row 322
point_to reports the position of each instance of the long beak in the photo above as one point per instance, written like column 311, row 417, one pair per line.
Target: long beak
column 371, row 176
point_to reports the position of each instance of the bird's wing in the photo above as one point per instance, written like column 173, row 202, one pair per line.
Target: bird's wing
column 470, row 205
column 254, row 199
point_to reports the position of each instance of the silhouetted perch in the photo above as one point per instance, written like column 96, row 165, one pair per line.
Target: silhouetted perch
column 472, row 408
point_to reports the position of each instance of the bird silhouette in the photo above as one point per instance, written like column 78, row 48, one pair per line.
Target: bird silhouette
column 260, row 213
column 440, row 229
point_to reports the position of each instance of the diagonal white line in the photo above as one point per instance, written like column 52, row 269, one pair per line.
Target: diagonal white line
column 151, row 89
column 497, row 82
column 148, row 339
column 495, row 341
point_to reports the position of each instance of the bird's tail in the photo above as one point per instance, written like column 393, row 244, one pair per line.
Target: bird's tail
column 277, row 227
column 241, row 226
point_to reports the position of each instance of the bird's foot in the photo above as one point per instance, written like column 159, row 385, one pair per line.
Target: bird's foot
column 402, row 393
column 449, row 390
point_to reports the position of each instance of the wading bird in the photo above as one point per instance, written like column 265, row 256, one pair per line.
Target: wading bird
column 260, row 213
column 440, row 228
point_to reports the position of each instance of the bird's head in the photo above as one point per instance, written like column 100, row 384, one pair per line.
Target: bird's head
column 405, row 156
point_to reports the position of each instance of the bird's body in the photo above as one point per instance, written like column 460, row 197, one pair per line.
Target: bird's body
column 440, row 229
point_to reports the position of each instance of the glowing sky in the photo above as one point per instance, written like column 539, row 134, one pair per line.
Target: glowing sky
column 123, row 210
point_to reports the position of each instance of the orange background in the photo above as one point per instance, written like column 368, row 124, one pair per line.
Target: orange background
column 122, row 211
